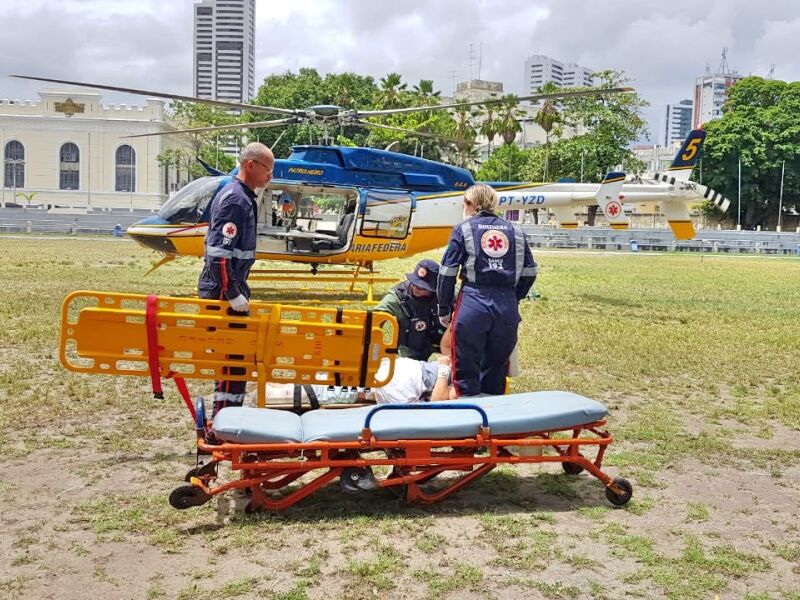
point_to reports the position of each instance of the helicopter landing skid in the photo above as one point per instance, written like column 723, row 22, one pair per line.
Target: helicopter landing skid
column 365, row 280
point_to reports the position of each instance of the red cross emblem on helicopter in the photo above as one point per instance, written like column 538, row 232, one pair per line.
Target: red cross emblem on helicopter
column 613, row 209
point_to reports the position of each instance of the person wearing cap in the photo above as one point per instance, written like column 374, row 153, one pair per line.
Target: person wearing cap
column 414, row 304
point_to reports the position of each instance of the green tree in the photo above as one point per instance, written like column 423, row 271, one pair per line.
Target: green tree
column 508, row 125
column 548, row 118
column 505, row 164
column 207, row 145
column 424, row 94
column 759, row 125
column 490, row 125
column 305, row 89
column 392, row 92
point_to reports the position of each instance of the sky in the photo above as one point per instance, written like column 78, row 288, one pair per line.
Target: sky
column 661, row 46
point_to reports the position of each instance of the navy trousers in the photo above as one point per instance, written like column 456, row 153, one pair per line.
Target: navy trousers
column 484, row 330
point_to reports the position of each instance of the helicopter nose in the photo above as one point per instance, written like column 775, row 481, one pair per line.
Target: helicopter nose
column 152, row 234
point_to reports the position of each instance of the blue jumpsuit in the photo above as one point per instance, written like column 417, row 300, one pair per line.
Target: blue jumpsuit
column 230, row 251
column 497, row 270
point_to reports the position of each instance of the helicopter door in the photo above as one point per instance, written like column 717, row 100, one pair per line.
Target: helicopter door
column 386, row 215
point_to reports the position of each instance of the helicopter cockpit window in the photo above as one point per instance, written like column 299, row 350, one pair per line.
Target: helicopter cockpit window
column 188, row 203
column 306, row 219
column 386, row 215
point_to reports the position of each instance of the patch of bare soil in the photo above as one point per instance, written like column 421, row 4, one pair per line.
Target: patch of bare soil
column 93, row 521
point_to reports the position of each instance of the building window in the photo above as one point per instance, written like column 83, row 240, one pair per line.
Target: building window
column 14, row 164
column 69, row 167
column 126, row 169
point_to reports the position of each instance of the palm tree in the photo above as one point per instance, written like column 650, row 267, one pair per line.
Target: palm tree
column 489, row 126
column 392, row 88
column 465, row 131
column 547, row 118
column 509, row 113
column 425, row 95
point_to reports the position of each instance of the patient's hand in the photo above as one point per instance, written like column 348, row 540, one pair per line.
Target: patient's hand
column 444, row 360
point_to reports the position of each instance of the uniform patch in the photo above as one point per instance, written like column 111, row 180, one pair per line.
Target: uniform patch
column 421, row 272
column 420, row 325
column 229, row 230
column 494, row 243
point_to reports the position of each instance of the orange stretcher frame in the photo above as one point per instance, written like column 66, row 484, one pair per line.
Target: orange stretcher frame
column 266, row 470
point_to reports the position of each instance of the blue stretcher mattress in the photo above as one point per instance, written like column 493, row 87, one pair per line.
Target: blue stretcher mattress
column 508, row 415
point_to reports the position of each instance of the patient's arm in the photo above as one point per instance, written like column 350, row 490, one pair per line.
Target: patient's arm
column 441, row 389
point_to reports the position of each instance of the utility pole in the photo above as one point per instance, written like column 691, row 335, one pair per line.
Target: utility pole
column 780, row 198
column 739, row 211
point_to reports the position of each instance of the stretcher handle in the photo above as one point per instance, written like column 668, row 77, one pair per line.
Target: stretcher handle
column 425, row 406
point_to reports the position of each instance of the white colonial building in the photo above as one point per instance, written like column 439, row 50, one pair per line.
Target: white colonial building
column 70, row 150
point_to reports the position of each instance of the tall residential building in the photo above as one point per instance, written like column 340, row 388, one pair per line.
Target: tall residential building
column 678, row 122
column 224, row 49
column 710, row 93
column 540, row 69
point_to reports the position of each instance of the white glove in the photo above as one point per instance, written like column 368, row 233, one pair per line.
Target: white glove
column 445, row 320
column 240, row 304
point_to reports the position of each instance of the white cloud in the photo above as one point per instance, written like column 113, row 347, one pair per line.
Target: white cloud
column 661, row 46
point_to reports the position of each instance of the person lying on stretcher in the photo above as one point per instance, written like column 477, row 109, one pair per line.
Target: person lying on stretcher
column 412, row 381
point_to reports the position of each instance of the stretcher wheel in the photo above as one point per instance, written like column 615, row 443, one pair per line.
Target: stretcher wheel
column 209, row 468
column 620, row 499
column 187, row 496
column 571, row 468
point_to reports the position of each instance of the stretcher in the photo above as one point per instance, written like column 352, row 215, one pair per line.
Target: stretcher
column 282, row 457
column 272, row 450
column 180, row 338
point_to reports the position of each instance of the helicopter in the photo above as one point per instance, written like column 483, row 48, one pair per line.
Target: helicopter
column 356, row 206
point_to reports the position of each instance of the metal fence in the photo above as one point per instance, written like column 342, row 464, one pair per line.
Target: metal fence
column 756, row 242
column 103, row 222
column 39, row 220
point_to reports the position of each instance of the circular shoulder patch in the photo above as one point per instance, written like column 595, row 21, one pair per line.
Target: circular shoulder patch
column 420, row 326
column 421, row 272
column 229, row 230
column 494, row 243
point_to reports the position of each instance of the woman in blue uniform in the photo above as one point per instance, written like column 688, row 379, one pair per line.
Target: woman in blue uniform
column 497, row 269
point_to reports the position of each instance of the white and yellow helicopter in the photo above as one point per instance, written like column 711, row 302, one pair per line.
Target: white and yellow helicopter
column 356, row 206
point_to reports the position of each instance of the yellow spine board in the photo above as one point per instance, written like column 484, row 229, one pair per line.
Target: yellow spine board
column 105, row 332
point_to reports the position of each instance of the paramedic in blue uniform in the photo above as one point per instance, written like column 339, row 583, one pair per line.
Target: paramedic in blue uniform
column 230, row 247
column 497, row 270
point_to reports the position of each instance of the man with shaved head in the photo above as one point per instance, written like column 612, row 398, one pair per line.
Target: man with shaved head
column 230, row 249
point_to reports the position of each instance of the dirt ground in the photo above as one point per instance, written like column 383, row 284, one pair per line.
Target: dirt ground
column 88, row 518
column 88, row 463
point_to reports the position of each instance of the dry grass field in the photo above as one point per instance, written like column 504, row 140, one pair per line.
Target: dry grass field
column 695, row 356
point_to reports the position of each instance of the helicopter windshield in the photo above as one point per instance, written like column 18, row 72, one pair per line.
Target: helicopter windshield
column 188, row 203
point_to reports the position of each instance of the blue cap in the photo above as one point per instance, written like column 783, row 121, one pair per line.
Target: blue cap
column 425, row 275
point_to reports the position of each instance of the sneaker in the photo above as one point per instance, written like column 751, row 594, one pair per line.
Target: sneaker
column 357, row 479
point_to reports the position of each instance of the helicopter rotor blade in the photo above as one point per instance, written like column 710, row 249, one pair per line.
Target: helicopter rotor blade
column 253, row 125
column 360, row 123
column 219, row 103
column 534, row 98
